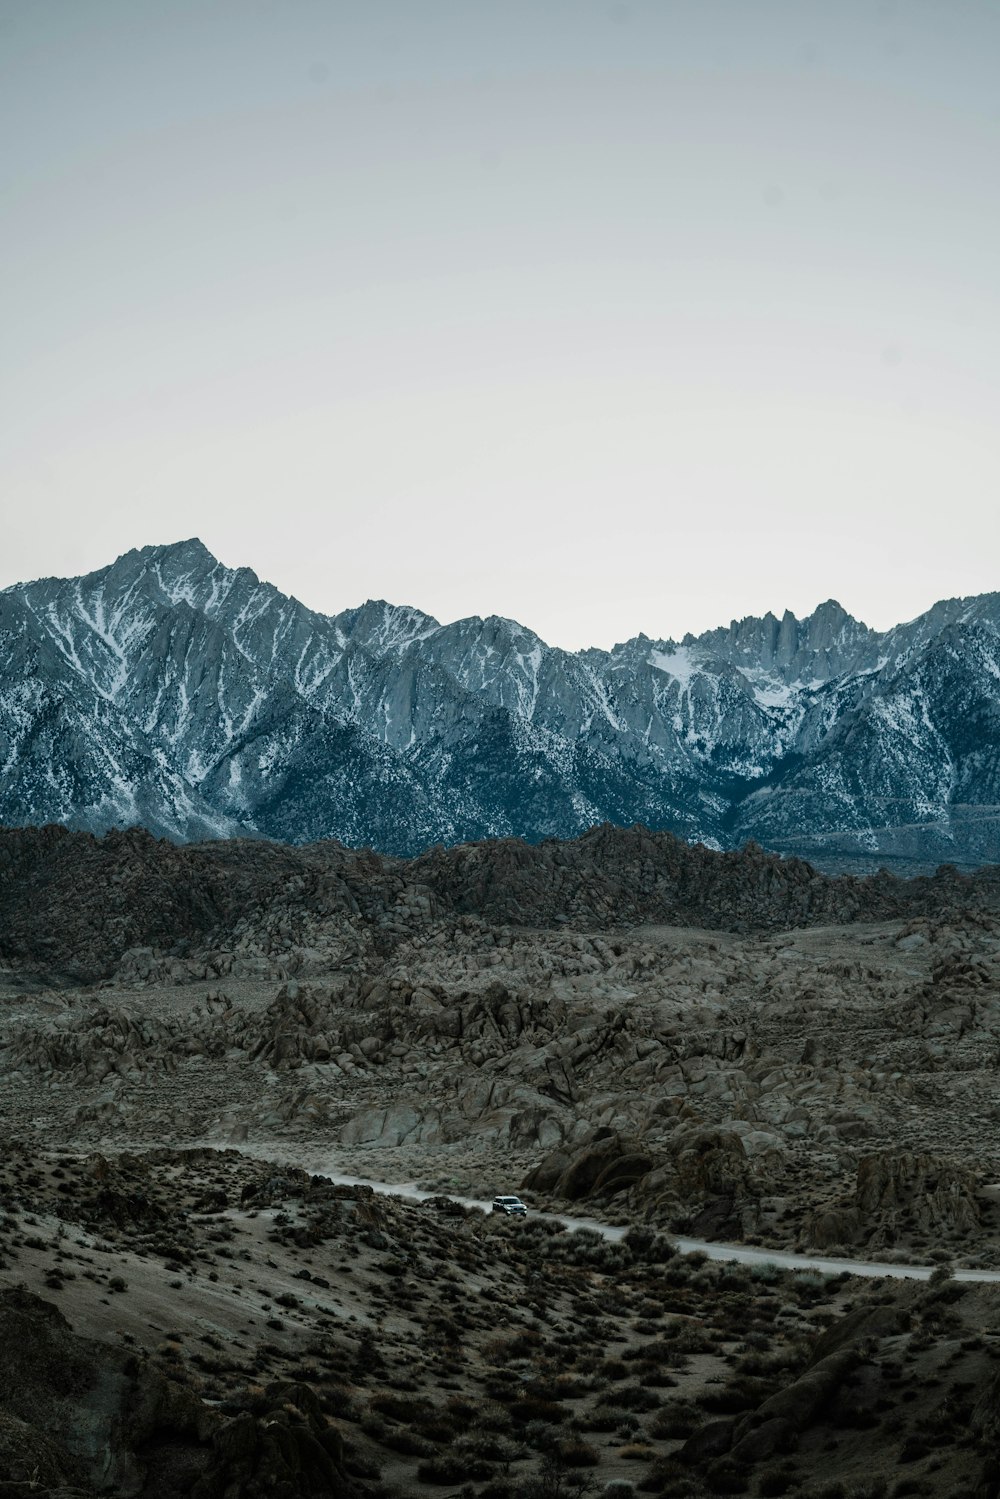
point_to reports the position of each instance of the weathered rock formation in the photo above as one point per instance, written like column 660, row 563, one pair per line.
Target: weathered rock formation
column 901, row 1195
column 699, row 1180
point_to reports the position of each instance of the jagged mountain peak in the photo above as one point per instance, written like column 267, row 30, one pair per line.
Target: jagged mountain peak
column 833, row 609
column 496, row 629
column 191, row 551
column 176, row 574
column 175, row 559
column 384, row 626
column 817, row 648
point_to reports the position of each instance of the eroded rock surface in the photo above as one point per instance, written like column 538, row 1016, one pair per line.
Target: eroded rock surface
column 464, row 1016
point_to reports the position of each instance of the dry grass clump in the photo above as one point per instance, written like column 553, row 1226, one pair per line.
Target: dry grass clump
column 676, row 1419
column 733, row 1397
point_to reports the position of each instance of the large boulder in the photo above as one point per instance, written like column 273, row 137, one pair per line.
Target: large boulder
column 604, row 1164
column 701, row 1181
column 390, row 1126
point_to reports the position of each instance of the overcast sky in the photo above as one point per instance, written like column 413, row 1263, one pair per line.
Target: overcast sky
column 607, row 316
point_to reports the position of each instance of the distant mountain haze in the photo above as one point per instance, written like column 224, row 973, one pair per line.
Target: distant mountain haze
column 171, row 691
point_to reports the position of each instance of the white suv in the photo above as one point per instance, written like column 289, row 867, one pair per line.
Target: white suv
column 512, row 1206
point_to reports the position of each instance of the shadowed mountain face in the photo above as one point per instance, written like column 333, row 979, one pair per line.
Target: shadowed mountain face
column 171, row 691
column 71, row 904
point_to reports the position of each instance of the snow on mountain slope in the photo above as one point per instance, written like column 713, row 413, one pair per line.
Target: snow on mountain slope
column 171, row 690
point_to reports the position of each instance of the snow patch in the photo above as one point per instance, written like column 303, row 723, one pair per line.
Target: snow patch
column 679, row 663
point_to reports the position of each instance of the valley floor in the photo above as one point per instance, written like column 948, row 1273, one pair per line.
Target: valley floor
column 195, row 1305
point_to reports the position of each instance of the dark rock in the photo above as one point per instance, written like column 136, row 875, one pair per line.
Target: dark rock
column 711, row 1440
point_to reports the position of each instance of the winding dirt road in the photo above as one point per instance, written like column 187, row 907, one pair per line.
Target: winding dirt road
column 742, row 1254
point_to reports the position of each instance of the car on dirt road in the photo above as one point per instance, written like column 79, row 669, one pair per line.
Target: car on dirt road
column 512, row 1206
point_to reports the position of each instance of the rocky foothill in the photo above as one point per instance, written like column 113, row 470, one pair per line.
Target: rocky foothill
column 196, row 1041
column 72, row 904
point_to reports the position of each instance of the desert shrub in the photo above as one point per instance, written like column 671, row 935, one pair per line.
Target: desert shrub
column 729, row 1400
column 685, row 1337
column 503, row 1350
column 727, row 1477
column 553, row 1481
column 492, row 1447
column 531, row 1408
column 548, row 1228
column 676, row 1419
column 491, row 1415
column 913, row 1448
column 375, row 1427
column 633, row 1397
column 543, row 1387
column 774, row 1485
column 502, row 1384
column 809, row 1282
column 450, row 1467
column 574, row 1452
column 397, row 1407
column 361, row 1465
column 402, row 1439
column 436, row 1428
column 678, row 1273
column 569, row 1386
column 667, row 1478
column 247, row 1397
column 650, row 1247
column 462, row 1408
column 339, row 1400
column 853, row 1415
column 786, row 1359
column 601, row 1418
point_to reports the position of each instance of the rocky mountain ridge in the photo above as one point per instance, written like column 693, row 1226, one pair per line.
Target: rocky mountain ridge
column 171, row 691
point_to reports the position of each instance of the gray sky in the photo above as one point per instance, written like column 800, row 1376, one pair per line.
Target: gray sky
column 607, row 316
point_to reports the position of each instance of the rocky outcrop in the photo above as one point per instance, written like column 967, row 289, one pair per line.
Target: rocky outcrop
column 901, row 1196
column 777, row 1422
column 699, row 1180
column 74, row 1412
column 604, row 1165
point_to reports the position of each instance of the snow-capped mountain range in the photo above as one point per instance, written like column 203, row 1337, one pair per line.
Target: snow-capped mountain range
column 175, row 692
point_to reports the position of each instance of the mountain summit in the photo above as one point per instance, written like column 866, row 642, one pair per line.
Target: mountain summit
column 175, row 692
